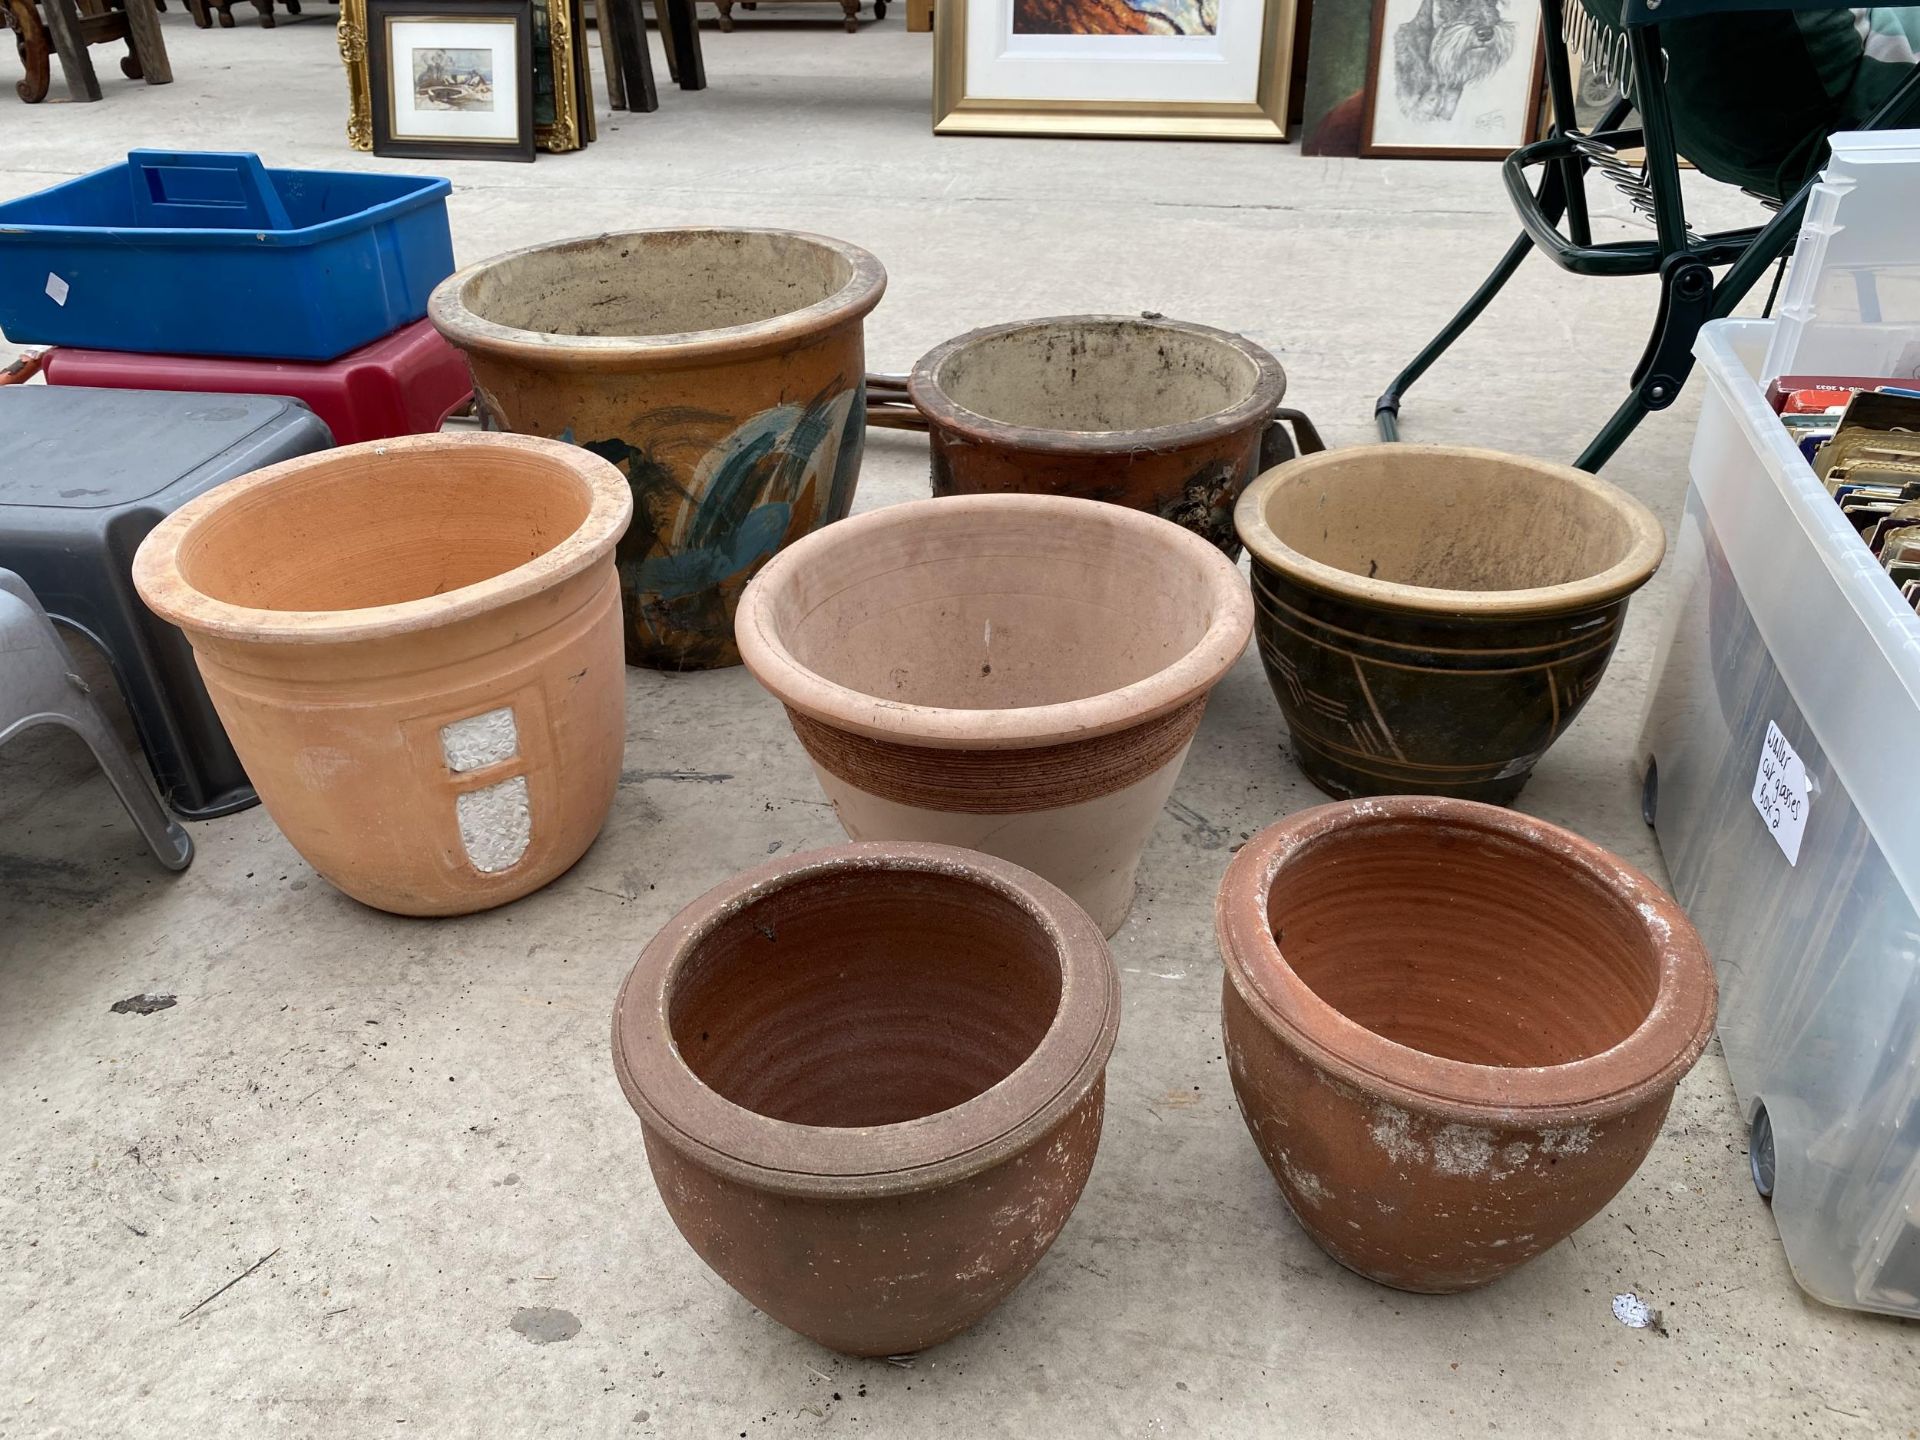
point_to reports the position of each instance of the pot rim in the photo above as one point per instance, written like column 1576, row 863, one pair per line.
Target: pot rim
column 470, row 331
column 1634, row 569
column 932, row 400
column 158, row 578
column 1190, row 676
column 863, row 1161
column 1649, row 1061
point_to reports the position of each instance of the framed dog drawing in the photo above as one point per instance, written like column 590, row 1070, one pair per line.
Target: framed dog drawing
column 1453, row 79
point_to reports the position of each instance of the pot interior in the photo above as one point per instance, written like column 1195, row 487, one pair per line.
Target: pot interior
column 1097, row 375
column 971, row 609
column 659, row 283
column 1462, row 944
column 1448, row 522
column 865, row 997
column 355, row 530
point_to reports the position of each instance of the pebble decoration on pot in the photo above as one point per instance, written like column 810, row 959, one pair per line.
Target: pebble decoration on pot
column 1431, row 617
column 1453, row 1030
column 1155, row 414
column 722, row 371
column 1019, row 674
column 871, row 1081
column 414, row 645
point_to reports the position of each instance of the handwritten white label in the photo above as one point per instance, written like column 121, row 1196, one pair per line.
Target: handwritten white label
column 56, row 289
column 1780, row 793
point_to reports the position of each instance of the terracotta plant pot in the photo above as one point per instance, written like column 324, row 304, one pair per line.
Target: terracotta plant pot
column 1152, row 414
column 721, row 370
column 1453, row 1030
column 871, row 1081
column 1433, row 617
column 415, row 647
column 1018, row 674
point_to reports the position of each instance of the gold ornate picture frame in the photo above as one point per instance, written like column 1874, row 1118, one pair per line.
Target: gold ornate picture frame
column 959, row 110
column 561, row 55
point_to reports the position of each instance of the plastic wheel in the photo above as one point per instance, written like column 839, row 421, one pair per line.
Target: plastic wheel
column 1760, row 1154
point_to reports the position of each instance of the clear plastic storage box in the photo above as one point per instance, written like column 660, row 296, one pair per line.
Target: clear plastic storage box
column 1784, row 786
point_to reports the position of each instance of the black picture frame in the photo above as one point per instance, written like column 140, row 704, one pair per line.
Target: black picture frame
column 380, row 16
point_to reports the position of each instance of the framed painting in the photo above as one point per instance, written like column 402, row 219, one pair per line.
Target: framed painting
column 559, row 103
column 1453, row 79
column 1164, row 69
column 451, row 80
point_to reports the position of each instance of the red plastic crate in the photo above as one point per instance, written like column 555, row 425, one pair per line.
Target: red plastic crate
column 406, row 384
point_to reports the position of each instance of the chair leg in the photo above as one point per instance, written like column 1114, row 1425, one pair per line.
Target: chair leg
column 1386, row 410
column 63, row 23
column 145, row 40
column 1551, row 197
column 625, row 26
column 682, row 27
column 31, row 41
column 171, row 845
column 41, row 678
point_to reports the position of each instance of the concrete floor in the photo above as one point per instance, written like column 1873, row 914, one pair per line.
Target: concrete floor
column 418, row 1121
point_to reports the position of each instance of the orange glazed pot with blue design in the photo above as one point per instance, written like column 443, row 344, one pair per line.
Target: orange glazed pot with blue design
column 721, row 370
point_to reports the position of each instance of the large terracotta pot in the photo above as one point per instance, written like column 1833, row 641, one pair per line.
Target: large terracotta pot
column 721, row 370
column 871, row 1081
column 1158, row 415
column 1453, row 1030
column 1017, row 674
column 414, row 645
column 1433, row 617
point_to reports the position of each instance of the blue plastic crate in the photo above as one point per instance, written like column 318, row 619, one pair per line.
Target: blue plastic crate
column 213, row 254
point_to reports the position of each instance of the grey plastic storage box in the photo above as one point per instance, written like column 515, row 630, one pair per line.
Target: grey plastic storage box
column 1782, row 621
column 84, row 475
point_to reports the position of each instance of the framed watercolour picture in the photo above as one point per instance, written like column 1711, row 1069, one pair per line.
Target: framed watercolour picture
column 1453, row 79
column 452, row 79
column 1174, row 69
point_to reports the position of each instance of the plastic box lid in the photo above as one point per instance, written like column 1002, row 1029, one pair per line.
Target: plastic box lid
column 1851, row 301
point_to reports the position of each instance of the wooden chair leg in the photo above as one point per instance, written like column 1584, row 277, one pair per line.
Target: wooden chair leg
column 265, row 7
column 608, row 24
column 663, row 21
column 919, row 14
column 852, row 7
column 202, row 16
column 36, row 48
column 680, row 26
column 634, row 62
column 145, row 40
column 726, row 15
column 63, row 24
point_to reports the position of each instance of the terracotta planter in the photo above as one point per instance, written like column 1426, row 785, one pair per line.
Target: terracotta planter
column 1453, row 1030
column 1152, row 414
column 871, row 1081
column 1017, row 674
column 721, row 370
column 1432, row 617
column 414, row 645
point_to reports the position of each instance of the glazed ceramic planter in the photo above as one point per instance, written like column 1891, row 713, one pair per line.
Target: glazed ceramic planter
column 414, row 646
column 722, row 371
column 1431, row 617
column 1153, row 414
column 871, row 1081
column 1016, row 674
column 1453, row 1030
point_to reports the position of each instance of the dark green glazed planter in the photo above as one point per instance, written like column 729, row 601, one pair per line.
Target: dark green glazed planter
column 1433, row 617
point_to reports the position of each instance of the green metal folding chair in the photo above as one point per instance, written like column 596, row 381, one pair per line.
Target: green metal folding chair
column 1630, row 55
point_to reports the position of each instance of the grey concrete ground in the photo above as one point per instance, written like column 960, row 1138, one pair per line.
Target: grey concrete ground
column 418, row 1121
